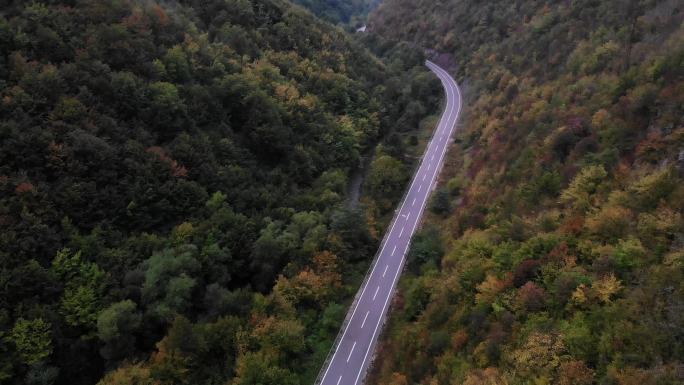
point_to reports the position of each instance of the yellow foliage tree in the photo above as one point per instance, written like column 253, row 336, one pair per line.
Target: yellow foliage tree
column 606, row 287
column 488, row 376
column 579, row 296
column 583, row 187
column 128, row 374
column 489, row 288
column 540, row 355
column 398, row 379
column 610, row 223
column 316, row 283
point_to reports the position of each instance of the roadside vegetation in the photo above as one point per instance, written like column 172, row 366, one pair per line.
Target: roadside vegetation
column 554, row 251
column 172, row 186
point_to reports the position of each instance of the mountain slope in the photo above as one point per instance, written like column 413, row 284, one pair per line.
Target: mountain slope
column 173, row 178
column 338, row 11
column 555, row 249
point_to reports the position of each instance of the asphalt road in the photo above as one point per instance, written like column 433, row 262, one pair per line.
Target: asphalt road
column 353, row 353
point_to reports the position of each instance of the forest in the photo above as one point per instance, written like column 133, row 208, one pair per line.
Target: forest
column 339, row 11
column 173, row 186
column 554, row 248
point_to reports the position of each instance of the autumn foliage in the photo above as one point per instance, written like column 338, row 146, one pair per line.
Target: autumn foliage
column 563, row 253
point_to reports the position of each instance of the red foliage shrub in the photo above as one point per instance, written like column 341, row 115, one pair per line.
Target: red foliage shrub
column 573, row 225
column 23, row 187
column 559, row 252
column 177, row 170
column 575, row 373
column 532, row 297
column 459, row 340
column 650, row 149
column 525, row 271
column 162, row 17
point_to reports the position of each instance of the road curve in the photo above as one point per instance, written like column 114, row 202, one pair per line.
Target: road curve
column 352, row 354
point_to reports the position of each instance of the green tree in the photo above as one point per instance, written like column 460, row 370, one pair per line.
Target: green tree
column 426, row 247
column 170, row 278
column 441, row 202
column 80, row 303
column 69, row 110
column 270, row 251
column 176, row 64
column 32, row 339
column 258, row 369
column 351, row 227
column 80, row 306
column 115, row 327
column 386, row 180
column 177, row 354
column 578, row 338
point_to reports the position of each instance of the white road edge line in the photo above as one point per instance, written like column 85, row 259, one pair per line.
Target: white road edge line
column 364, row 318
column 376, row 292
column 351, row 351
column 394, row 222
column 363, row 363
column 365, row 286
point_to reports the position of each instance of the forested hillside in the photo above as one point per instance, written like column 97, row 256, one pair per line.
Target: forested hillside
column 172, row 186
column 339, row 11
column 554, row 251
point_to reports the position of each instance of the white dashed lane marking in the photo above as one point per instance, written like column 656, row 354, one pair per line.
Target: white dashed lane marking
column 351, row 351
column 364, row 319
column 434, row 154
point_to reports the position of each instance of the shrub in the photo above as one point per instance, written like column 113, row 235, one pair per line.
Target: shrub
column 532, row 297
column 525, row 271
column 611, row 223
column 583, row 187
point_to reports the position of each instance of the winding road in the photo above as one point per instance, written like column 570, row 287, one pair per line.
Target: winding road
column 353, row 351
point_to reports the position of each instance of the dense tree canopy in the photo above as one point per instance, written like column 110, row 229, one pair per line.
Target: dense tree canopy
column 562, row 247
column 173, row 179
column 339, row 11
